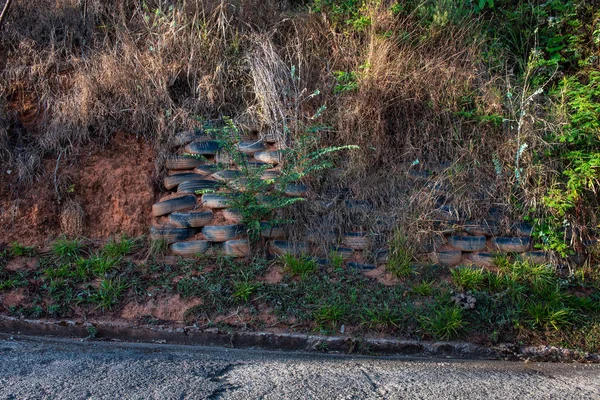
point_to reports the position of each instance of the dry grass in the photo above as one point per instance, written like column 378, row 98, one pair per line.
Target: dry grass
column 77, row 71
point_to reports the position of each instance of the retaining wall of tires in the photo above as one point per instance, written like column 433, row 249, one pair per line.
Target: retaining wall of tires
column 193, row 224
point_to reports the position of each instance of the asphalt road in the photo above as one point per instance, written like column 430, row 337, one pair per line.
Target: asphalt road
column 36, row 368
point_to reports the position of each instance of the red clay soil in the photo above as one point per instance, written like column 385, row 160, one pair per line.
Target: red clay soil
column 112, row 183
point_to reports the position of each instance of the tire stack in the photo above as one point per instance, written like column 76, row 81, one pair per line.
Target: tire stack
column 480, row 243
column 193, row 223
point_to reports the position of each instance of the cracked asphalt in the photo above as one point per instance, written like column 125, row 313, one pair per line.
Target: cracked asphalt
column 39, row 368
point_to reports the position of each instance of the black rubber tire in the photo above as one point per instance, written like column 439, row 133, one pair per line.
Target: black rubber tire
column 206, row 169
column 482, row 229
column 448, row 258
column 360, row 266
column 215, row 200
column 270, row 231
column 172, row 181
column 171, row 235
column 227, row 175
column 189, row 249
column 467, row 243
column 270, row 156
column 270, row 175
column 191, row 219
column 251, row 146
column 512, row 245
column 205, row 147
column 317, row 236
column 221, row 233
column 237, row 248
column 186, row 137
column 345, row 252
column 195, row 185
column 523, row 229
column 281, row 247
column 483, row 259
column 232, row 215
column 178, row 163
column 357, row 240
column 171, row 205
column 295, row 190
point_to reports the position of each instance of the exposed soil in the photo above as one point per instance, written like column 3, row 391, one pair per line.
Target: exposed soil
column 113, row 184
column 171, row 308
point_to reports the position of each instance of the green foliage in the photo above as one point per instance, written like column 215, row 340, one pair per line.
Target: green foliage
column 242, row 290
column 384, row 317
column 301, row 266
column 17, row 250
column 443, row 322
column 329, row 315
column 425, row 288
column 401, row 256
column 467, row 278
column 67, row 249
column 248, row 193
column 108, row 293
column 118, row 248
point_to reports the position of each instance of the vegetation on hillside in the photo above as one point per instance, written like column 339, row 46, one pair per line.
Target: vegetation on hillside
column 495, row 101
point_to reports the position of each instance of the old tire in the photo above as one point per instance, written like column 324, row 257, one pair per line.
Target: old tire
column 232, row 215
column 172, row 181
column 512, row 245
column 357, row 240
column 270, row 175
column 482, row 229
column 251, row 146
column 227, row 175
column 483, row 259
column 295, row 190
column 171, row 205
column 196, row 185
column 360, row 266
column 270, row 231
column 281, row 247
column 448, row 258
column 171, row 235
column 237, row 248
column 205, row 147
column 206, row 169
column 191, row 219
column 186, row 137
column 182, row 162
column 270, row 156
column 189, row 249
column 345, row 252
column 221, row 233
column 215, row 200
column 467, row 243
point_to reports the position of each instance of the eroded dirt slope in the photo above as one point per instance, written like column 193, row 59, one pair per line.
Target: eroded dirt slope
column 113, row 184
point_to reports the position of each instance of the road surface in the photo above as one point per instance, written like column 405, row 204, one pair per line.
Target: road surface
column 37, row 368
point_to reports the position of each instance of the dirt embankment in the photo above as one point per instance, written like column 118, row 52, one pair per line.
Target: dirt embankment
column 113, row 184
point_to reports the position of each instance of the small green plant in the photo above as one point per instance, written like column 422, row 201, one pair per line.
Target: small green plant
column 92, row 332
column 242, row 290
column 329, row 315
column 467, row 278
column 118, row 248
column 443, row 322
column 19, row 250
column 385, row 317
column 67, row 249
column 108, row 293
column 401, row 256
column 301, row 266
column 425, row 288
column 337, row 260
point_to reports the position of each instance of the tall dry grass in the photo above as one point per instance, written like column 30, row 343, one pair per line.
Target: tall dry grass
column 92, row 68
